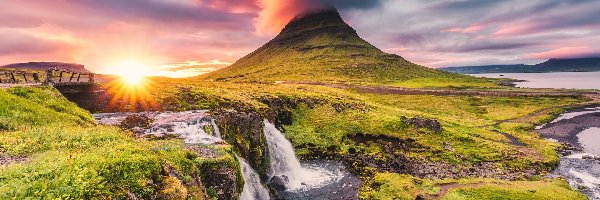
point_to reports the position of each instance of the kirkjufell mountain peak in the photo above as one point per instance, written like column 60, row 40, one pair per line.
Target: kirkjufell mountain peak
column 320, row 46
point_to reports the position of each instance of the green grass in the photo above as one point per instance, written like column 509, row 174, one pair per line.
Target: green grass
column 518, row 190
column 468, row 123
column 67, row 156
column 397, row 186
column 27, row 106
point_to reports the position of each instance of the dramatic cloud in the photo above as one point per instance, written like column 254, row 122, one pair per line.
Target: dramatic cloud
column 190, row 37
column 276, row 13
column 472, row 32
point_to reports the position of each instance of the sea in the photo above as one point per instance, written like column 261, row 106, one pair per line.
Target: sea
column 566, row 80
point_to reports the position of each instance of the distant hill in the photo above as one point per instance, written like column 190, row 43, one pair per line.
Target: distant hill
column 552, row 65
column 320, row 46
column 45, row 65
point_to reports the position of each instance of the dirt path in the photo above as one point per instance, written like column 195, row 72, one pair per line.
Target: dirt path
column 444, row 92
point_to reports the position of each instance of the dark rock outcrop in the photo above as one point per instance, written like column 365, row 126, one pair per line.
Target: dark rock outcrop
column 421, row 122
column 244, row 131
column 279, row 183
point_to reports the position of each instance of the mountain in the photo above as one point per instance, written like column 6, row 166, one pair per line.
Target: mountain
column 552, row 65
column 320, row 46
column 45, row 65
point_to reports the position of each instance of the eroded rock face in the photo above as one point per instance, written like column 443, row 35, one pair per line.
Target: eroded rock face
column 244, row 131
column 421, row 122
column 222, row 180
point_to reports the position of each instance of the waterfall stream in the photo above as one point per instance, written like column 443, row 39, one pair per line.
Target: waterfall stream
column 253, row 188
column 215, row 128
column 317, row 179
column 283, row 162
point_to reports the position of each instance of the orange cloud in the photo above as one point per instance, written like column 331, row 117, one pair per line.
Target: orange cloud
column 275, row 14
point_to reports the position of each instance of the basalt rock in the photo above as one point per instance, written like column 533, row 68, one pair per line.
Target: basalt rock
column 279, row 183
column 244, row 131
column 421, row 122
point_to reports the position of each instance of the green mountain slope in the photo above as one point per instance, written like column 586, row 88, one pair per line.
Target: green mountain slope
column 320, row 46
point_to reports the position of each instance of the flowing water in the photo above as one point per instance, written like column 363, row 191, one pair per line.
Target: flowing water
column 582, row 169
column 318, row 179
column 310, row 180
column 253, row 188
column 284, row 162
column 188, row 125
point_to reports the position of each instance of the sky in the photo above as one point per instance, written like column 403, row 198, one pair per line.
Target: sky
column 181, row 38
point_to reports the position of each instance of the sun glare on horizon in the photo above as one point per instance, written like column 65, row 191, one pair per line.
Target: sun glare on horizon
column 132, row 73
column 131, row 91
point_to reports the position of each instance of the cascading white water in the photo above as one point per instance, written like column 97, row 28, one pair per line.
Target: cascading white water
column 283, row 161
column 253, row 188
column 281, row 152
column 215, row 128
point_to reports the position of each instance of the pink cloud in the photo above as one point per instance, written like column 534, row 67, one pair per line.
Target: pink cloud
column 565, row 52
column 470, row 29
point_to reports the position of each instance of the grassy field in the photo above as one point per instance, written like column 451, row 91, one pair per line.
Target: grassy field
column 396, row 186
column 471, row 126
column 63, row 154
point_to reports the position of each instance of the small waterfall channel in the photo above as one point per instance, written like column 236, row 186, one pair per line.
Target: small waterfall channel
column 318, row 179
column 253, row 188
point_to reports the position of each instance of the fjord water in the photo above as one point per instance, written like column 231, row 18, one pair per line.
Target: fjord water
column 567, row 80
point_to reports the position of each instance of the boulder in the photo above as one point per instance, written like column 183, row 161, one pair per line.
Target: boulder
column 279, row 183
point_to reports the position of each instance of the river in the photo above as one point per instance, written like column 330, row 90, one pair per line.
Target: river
column 567, row 80
column 580, row 164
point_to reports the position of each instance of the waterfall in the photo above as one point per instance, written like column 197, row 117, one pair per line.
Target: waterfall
column 253, row 188
column 281, row 152
column 215, row 128
column 283, row 161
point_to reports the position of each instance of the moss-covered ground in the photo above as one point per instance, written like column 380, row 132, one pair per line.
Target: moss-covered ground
column 65, row 155
column 478, row 129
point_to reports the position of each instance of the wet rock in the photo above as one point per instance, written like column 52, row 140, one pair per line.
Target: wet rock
column 279, row 183
column 420, row 197
column 421, row 122
column 136, row 123
column 222, row 179
column 244, row 131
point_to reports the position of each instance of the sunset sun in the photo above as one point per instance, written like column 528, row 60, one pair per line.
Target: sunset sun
column 132, row 73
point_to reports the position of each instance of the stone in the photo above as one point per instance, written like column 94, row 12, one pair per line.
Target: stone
column 587, row 157
column 421, row 122
column 279, row 183
column 420, row 197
